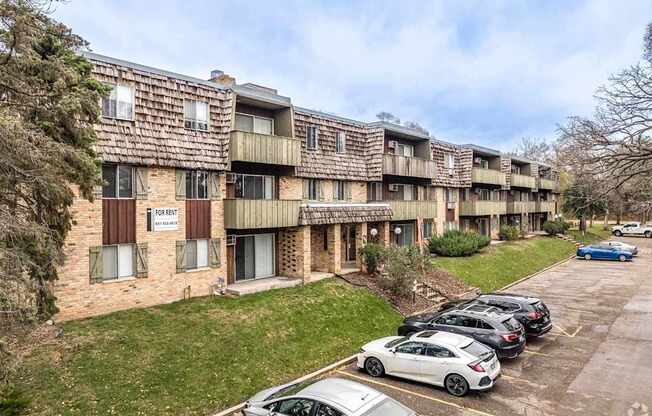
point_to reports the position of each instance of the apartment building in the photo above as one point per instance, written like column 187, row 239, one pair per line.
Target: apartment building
column 212, row 186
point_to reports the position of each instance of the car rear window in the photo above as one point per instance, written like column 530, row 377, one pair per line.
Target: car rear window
column 395, row 342
column 388, row 407
column 290, row 390
column 511, row 324
column 476, row 349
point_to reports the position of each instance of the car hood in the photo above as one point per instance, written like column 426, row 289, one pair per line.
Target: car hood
column 422, row 317
column 379, row 344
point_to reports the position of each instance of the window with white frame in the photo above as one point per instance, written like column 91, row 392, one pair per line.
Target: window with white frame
column 407, row 192
column 484, row 194
column 449, row 161
column 339, row 190
column 312, row 137
column 516, row 169
column 406, row 150
column 254, row 124
column 118, row 181
column 427, row 227
column 117, row 261
column 253, row 186
column 195, row 115
column 196, row 254
column 196, row 184
column 340, row 142
column 119, row 104
column 375, row 191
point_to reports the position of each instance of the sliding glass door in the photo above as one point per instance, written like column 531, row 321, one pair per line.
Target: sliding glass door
column 254, row 256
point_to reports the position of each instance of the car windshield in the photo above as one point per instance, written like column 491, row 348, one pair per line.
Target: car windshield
column 476, row 349
column 290, row 390
column 388, row 407
column 511, row 324
column 395, row 342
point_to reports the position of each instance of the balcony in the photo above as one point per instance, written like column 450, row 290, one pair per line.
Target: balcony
column 520, row 207
column 547, row 184
column 489, row 176
column 523, row 181
column 545, row 206
column 410, row 210
column 263, row 148
column 408, row 166
column 476, row 208
column 260, row 213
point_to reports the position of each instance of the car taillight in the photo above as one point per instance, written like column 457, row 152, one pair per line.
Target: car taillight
column 475, row 366
column 534, row 315
column 510, row 337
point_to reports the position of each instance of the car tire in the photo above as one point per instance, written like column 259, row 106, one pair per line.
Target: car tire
column 456, row 385
column 587, row 256
column 648, row 234
column 618, row 233
column 374, row 367
column 622, row 257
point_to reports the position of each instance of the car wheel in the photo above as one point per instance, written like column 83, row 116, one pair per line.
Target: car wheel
column 618, row 233
column 374, row 367
column 648, row 234
column 622, row 257
column 587, row 256
column 456, row 385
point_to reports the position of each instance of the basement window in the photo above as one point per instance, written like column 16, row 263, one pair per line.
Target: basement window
column 196, row 254
column 117, row 261
column 195, row 115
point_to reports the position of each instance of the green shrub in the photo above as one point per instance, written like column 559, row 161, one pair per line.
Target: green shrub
column 558, row 226
column 12, row 403
column 371, row 253
column 509, row 232
column 401, row 267
column 457, row 243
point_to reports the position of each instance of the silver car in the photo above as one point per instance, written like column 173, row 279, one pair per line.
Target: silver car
column 327, row 397
column 623, row 246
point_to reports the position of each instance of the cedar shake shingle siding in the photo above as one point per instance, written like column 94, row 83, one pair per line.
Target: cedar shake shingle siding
column 156, row 136
column 461, row 176
column 314, row 214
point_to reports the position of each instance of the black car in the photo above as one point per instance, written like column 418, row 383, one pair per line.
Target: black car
column 483, row 323
column 530, row 311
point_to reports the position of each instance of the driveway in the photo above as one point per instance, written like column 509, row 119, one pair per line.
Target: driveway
column 597, row 359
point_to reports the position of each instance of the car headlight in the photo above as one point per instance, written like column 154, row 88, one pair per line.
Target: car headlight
column 362, row 351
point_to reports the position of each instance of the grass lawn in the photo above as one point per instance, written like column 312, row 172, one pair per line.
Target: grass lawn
column 498, row 265
column 202, row 355
column 593, row 234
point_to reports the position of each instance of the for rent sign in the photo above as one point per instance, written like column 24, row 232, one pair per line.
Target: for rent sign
column 164, row 219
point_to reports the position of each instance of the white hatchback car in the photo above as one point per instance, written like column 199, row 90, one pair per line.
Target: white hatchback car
column 453, row 361
column 327, row 397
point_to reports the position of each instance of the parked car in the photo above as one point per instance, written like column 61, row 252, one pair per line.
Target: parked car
column 530, row 311
column 485, row 324
column 632, row 228
column 326, row 397
column 603, row 252
column 452, row 361
column 624, row 246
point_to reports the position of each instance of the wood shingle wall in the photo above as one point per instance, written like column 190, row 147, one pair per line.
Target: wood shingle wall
column 461, row 176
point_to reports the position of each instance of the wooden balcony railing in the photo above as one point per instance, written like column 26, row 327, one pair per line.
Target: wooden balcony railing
column 488, row 176
column 545, row 206
column 523, row 181
column 261, row 213
column 264, row 148
column 476, row 208
column 520, row 207
column 410, row 210
column 547, row 184
column 408, row 166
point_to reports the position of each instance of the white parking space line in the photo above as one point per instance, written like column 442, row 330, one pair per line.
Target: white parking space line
column 423, row 396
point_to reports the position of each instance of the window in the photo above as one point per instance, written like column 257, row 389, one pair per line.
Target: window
column 375, row 191
column 340, row 142
column 439, row 352
column 311, row 191
column 427, row 229
column 484, row 195
column 484, row 325
column 483, row 163
column 405, row 237
column 117, row 261
column 339, row 190
column 516, row 169
column 325, row 410
column 406, row 192
column 405, row 150
column 416, row 348
column 450, row 319
column 467, row 322
column 254, row 124
column 477, row 349
column 196, row 254
column 195, row 115
column 449, row 161
column 119, row 104
column 196, row 184
column 312, row 138
column 118, row 181
column 450, row 195
column 293, row 407
column 254, row 186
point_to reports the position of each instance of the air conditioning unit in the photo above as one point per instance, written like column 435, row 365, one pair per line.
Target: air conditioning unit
column 230, row 178
column 392, row 187
column 477, row 160
column 450, row 205
column 230, row 240
column 476, row 191
column 391, row 144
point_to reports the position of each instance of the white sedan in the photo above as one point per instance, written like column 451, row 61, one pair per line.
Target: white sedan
column 453, row 361
column 623, row 246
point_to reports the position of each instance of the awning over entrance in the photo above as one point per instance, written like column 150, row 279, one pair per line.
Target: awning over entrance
column 315, row 214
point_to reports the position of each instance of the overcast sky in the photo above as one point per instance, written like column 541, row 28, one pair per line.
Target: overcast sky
column 484, row 72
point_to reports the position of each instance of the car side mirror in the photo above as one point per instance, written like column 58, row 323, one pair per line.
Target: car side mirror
column 392, row 350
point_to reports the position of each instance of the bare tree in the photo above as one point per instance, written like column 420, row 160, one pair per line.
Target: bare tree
column 416, row 126
column 534, row 149
column 388, row 117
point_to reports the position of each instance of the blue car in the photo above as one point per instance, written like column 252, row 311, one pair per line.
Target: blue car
column 603, row 252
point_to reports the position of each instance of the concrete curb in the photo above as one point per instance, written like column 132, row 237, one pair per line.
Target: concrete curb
column 316, row 373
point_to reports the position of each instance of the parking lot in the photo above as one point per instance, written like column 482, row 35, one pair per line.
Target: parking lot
column 596, row 360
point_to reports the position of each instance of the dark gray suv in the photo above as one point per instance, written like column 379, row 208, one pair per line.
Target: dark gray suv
column 483, row 323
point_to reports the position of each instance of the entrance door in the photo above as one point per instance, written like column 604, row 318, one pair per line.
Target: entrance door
column 264, row 244
column 348, row 243
column 254, row 256
column 484, row 226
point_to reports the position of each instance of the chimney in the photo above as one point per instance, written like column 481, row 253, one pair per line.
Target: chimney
column 219, row 77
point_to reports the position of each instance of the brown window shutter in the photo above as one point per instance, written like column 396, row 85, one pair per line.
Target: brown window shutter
column 140, row 260
column 214, row 188
column 181, row 256
column 180, row 185
column 95, row 264
column 214, row 254
column 141, row 183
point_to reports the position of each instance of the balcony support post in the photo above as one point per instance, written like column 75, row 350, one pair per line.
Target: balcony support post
column 360, row 241
column 334, row 242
